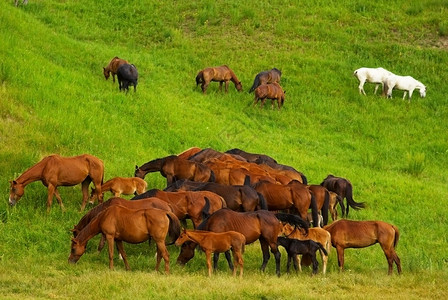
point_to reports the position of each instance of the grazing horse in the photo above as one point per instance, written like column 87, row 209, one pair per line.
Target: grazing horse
column 271, row 91
column 223, row 74
column 113, row 66
column 237, row 197
column 265, row 77
column 372, row 75
column 343, row 188
column 121, row 185
column 361, row 234
column 213, row 242
column 139, row 204
column 259, row 225
column 316, row 234
column 406, row 83
column 174, row 168
column 55, row 170
column 196, row 205
column 120, row 224
column 295, row 247
column 127, row 75
column 295, row 197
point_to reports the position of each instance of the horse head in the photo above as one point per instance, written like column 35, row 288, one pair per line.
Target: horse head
column 77, row 250
column 423, row 92
column 239, row 86
column 16, row 192
column 139, row 172
column 106, row 73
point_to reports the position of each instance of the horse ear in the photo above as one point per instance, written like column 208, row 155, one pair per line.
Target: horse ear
column 136, row 167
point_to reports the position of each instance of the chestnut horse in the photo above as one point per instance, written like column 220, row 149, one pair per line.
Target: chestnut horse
column 213, row 242
column 175, row 168
column 55, row 170
column 237, row 197
column 271, row 91
column 316, row 234
column 265, row 77
column 196, row 205
column 343, row 188
column 143, row 203
column 294, row 197
column 121, row 224
column 334, row 200
column 259, row 225
column 121, row 185
column 223, row 74
column 113, row 66
column 322, row 196
column 361, row 234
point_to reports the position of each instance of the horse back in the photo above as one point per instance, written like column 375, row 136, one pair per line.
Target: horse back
column 115, row 63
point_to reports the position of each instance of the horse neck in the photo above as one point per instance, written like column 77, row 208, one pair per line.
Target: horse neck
column 233, row 78
column 153, row 165
column 196, row 237
column 32, row 174
column 88, row 232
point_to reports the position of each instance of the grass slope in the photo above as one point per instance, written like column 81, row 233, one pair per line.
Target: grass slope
column 54, row 99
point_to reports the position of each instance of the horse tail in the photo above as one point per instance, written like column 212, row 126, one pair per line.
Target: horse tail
column 212, row 177
column 322, row 248
column 304, row 179
column 174, row 228
column 313, row 206
column 256, row 83
column 199, row 78
column 205, row 212
column 293, row 220
column 397, row 235
column 326, row 207
column 350, row 201
column 262, row 202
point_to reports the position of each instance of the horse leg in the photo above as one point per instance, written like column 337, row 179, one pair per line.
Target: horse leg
column 361, row 87
column 162, row 252
column 110, row 244
column 227, row 86
column 404, row 94
column 85, row 192
column 101, row 243
column 299, row 263
column 123, row 254
column 324, row 261
column 340, row 252
column 265, row 250
column 288, row 263
column 58, row 197
column 229, row 261
column 208, row 255
column 51, row 189
column 315, row 263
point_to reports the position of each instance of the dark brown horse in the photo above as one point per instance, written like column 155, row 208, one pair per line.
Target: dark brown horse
column 343, row 188
column 294, row 197
column 212, row 242
column 222, row 74
column 361, row 234
column 237, row 197
column 265, row 77
column 259, row 225
column 195, row 205
column 113, row 66
column 174, row 168
column 271, row 91
column 120, row 224
column 55, row 170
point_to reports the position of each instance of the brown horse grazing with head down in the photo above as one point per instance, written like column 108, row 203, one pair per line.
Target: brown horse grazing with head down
column 316, row 234
column 265, row 77
column 54, row 171
column 271, row 91
column 361, row 234
column 259, row 225
column 113, row 66
column 223, row 74
column 343, row 188
column 174, row 168
column 195, row 205
column 121, row 224
column 212, row 242
column 121, row 185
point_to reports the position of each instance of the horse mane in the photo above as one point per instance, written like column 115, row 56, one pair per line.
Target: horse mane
column 155, row 164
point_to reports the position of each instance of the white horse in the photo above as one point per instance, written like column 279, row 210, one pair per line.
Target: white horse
column 371, row 75
column 404, row 83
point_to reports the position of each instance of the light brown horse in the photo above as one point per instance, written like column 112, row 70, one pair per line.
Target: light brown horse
column 55, row 170
column 121, row 185
column 316, row 234
column 265, row 77
column 213, row 242
column 174, row 168
column 113, row 66
column 334, row 200
column 271, row 91
column 195, row 205
column 361, row 234
column 120, row 224
column 223, row 74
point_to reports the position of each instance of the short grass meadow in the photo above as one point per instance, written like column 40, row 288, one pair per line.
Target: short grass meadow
column 54, row 99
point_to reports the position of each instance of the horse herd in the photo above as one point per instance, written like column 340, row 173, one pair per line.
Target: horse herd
column 233, row 198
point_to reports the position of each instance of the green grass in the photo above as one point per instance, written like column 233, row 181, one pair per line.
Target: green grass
column 54, row 99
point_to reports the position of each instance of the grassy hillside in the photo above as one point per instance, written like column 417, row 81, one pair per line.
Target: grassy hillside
column 54, row 99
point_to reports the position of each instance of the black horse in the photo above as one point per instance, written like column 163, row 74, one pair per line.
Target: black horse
column 127, row 75
column 265, row 77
